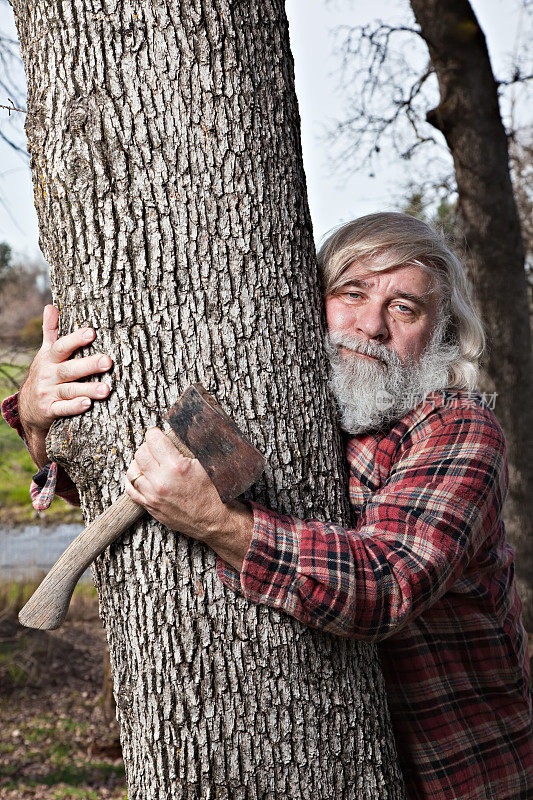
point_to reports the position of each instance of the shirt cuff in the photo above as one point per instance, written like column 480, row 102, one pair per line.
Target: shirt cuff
column 43, row 487
column 10, row 412
column 269, row 572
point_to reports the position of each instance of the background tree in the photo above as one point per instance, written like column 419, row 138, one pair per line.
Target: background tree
column 394, row 103
column 443, row 217
column 521, row 153
column 24, row 289
column 171, row 199
column 6, row 257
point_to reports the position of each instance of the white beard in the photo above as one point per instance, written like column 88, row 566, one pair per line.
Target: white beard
column 373, row 394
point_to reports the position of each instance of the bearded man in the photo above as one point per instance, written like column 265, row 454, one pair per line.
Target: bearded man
column 425, row 571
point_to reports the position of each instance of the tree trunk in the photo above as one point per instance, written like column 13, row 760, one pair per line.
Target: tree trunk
column 172, row 206
column 469, row 117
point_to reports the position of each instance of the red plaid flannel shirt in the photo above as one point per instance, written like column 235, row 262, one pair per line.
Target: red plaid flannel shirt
column 427, row 574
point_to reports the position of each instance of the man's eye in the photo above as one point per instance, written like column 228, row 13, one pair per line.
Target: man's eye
column 352, row 295
column 404, row 309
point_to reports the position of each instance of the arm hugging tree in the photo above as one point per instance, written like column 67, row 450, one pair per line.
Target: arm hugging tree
column 172, row 207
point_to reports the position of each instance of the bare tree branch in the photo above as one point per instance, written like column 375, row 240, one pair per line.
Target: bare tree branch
column 517, row 78
column 12, row 86
column 390, row 86
column 387, row 96
column 12, row 107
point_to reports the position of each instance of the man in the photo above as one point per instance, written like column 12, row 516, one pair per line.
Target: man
column 425, row 572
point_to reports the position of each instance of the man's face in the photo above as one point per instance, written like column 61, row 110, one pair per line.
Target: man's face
column 386, row 345
column 397, row 308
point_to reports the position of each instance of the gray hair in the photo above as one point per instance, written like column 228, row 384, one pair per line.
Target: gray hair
column 386, row 240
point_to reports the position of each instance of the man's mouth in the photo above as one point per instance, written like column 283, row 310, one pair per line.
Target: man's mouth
column 348, row 352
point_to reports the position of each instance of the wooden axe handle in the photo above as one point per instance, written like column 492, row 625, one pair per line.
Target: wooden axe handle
column 48, row 605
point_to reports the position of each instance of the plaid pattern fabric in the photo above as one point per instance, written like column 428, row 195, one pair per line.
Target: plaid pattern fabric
column 48, row 481
column 427, row 574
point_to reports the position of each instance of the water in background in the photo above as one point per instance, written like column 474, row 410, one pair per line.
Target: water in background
column 30, row 550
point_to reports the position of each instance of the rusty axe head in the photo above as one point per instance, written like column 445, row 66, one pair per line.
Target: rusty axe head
column 228, row 457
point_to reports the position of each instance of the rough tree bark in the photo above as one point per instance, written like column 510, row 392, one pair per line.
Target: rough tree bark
column 172, row 206
column 469, row 117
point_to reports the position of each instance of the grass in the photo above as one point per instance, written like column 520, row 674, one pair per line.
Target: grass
column 77, row 774
column 17, row 468
column 64, row 767
column 15, row 593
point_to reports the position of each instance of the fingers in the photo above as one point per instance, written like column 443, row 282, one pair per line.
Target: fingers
column 50, row 390
column 133, row 470
column 50, row 324
column 82, row 367
column 133, row 493
column 146, row 461
column 163, row 450
column 75, row 398
column 157, row 460
column 62, row 348
column 135, row 474
column 68, row 408
column 72, row 391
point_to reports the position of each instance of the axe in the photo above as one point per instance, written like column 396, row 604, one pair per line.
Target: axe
column 200, row 429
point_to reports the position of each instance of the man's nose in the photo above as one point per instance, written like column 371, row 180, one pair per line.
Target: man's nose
column 371, row 323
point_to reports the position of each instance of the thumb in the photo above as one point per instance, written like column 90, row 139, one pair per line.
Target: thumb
column 50, row 325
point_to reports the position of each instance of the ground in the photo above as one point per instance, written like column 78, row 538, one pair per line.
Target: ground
column 58, row 739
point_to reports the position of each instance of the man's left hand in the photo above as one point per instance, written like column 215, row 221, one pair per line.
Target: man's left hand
column 175, row 490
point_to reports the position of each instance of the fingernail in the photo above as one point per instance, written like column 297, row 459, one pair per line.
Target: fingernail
column 88, row 335
column 102, row 390
column 85, row 403
column 105, row 362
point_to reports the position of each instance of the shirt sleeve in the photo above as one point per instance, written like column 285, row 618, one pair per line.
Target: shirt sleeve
column 51, row 479
column 413, row 538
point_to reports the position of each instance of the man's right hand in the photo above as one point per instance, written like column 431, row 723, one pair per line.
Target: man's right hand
column 53, row 388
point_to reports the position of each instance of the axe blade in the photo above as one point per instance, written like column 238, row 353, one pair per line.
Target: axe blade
column 228, row 457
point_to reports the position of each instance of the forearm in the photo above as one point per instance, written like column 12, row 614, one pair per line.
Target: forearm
column 412, row 540
column 275, row 572
column 232, row 541
column 355, row 583
column 34, row 437
column 36, row 444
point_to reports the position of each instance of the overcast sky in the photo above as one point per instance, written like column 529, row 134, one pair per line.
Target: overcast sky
column 333, row 199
